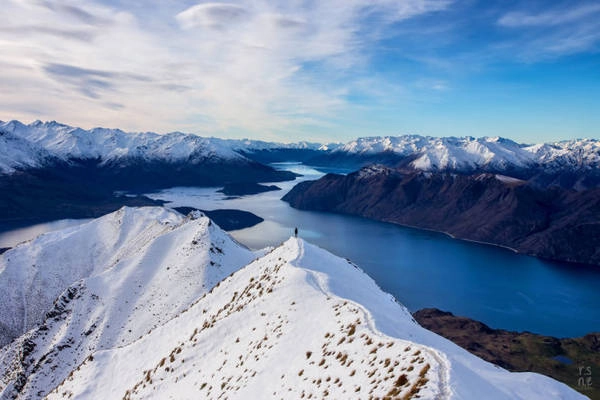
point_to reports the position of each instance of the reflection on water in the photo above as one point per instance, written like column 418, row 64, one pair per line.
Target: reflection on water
column 426, row 269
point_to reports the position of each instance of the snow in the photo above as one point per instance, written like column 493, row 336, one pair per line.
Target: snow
column 26, row 146
column 155, row 274
column 468, row 153
column 33, row 274
column 109, row 145
column 581, row 153
column 373, row 170
column 509, row 180
column 18, row 153
column 258, row 145
column 188, row 313
column 30, row 146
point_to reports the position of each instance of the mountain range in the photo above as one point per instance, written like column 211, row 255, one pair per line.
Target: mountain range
column 150, row 303
column 44, row 143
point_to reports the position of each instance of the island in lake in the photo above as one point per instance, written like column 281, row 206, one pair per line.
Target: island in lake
column 229, row 220
column 246, row 188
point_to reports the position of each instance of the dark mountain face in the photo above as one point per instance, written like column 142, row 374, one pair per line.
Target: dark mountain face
column 86, row 188
column 567, row 176
column 553, row 223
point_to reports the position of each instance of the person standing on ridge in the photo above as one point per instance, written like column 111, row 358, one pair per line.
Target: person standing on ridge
column 296, row 232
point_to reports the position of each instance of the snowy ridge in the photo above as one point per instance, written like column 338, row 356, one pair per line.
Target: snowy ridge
column 298, row 322
column 109, row 145
column 34, row 145
column 34, row 274
column 584, row 154
column 156, row 275
column 19, row 153
column 257, row 145
column 31, row 146
column 468, row 153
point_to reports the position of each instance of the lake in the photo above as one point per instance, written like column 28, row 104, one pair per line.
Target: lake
column 420, row 268
column 426, row 269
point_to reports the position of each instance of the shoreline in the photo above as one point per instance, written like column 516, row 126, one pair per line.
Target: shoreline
column 558, row 358
column 451, row 236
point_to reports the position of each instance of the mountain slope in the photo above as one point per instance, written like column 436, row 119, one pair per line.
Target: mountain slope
column 18, row 153
column 468, row 153
column 123, row 160
column 145, row 266
column 553, row 223
column 34, row 274
column 297, row 322
column 109, row 145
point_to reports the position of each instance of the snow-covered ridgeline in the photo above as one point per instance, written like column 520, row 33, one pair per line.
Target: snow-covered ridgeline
column 116, row 279
column 51, row 139
column 296, row 322
column 470, row 153
column 35, row 273
column 24, row 146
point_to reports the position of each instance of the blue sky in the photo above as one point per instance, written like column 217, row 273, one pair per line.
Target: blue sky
column 306, row 70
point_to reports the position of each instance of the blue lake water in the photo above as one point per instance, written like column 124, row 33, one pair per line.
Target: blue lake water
column 427, row 269
column 420, row 268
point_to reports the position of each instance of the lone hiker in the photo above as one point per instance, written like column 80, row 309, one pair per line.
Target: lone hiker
column 296, row 232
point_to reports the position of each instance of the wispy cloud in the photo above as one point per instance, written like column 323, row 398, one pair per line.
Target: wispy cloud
column 214, row 68
column 550, row 18
column 212, row 15
column 271, row 69
column 566, row 29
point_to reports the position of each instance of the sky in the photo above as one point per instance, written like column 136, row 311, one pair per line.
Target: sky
column 318, row 70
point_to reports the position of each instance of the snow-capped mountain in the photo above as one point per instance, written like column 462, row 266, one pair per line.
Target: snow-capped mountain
column 19, row 153
column 297, row 322
column 244, row 145
column 467, row 153
column 116, row 278
column 111, row 145
column 33, row 145
column 34, row 274
column 53, row 171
